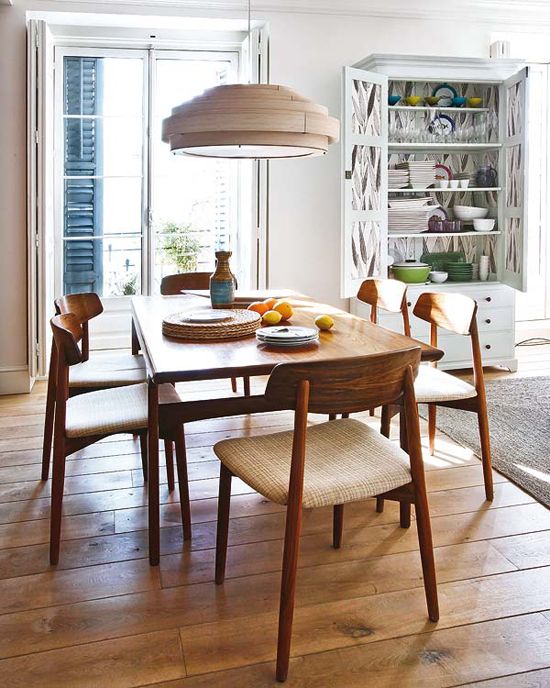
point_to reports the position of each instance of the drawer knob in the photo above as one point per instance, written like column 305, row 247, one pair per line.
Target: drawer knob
column 409, row 303
column 488, row 298
column 488, row 321
column 487, row 346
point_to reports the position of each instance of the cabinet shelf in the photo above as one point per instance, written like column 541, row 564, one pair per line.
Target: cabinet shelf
column 424, row 108
column 424, row 235
column 443, row 146
column 434, row 189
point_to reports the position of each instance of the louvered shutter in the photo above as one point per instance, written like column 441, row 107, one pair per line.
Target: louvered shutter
column 83, row 197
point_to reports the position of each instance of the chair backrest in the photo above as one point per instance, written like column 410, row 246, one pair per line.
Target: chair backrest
column 344, row 385
column 67, row 333
column 174, row 284
column 454, row 312
column 84, row 306
column 387, row 294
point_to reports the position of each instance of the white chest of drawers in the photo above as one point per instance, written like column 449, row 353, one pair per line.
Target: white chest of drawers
column 495, row 317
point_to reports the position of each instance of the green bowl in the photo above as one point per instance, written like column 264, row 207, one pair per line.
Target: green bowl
column 410, row 274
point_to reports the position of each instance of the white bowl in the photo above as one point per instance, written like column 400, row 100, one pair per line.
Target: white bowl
column 481, row 225
column 464, row 183
column 454, row 183
column 438, row 276
column 443, row 183
column 469, row 212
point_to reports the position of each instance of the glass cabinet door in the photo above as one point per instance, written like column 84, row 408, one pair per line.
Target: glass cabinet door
column 365, row 151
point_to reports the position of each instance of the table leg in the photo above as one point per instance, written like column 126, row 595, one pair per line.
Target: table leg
column 135, row 340
column 153, row 481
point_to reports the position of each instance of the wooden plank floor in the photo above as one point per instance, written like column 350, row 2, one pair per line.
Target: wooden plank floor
column 105, row 619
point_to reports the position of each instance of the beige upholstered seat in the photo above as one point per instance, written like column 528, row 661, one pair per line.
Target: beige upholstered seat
column 346, row 461
column 113, row 370
column 108, row 411
column 433, row 385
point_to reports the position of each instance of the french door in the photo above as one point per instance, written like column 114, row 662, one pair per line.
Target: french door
column 126, row 210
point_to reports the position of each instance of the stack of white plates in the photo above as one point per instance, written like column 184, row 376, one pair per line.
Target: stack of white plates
column 409, row 215
column 421, row 172
column 398, row 178
column 287, row 335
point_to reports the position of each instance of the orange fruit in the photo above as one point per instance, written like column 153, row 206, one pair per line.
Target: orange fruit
column 259, row 307
column 272, row 318
column 284, row 308
column 270, row 303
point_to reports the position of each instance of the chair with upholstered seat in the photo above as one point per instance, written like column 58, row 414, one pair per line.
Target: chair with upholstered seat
column 332, row 463
column 432, row 386
column 114, row 369
column 87, row 418
column 175, row 284
column 455, row 313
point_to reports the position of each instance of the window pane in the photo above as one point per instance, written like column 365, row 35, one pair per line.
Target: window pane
column 103, row 146
column 194, row 200
column 106, row 138
column 103, row 86
column 94, row 207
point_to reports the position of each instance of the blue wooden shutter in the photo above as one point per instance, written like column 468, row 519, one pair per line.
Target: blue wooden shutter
column 83, row 198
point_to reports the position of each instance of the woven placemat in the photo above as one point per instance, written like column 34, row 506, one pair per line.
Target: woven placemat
column 242, row 323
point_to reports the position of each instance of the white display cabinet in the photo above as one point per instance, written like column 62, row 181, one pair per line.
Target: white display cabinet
column 377, row 136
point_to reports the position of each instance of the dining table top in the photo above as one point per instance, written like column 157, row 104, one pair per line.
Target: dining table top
column 178, row 360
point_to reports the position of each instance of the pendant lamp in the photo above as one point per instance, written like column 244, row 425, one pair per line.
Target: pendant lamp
column 256, row 121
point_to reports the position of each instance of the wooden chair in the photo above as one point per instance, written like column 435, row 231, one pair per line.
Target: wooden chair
column 111, row 370
column 87, row 418
column 330, row 463
column 453, row 312
column 387, row 294
column 456, row 313
column 175, row 284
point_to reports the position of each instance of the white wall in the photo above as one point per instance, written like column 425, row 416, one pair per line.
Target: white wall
column 307, row 52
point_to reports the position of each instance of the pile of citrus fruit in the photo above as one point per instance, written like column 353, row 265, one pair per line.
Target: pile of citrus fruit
column 272, row 310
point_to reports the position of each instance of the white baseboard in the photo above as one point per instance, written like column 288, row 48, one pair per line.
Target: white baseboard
column 15, row 380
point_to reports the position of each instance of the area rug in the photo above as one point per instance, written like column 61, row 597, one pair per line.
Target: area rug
column 519, row 424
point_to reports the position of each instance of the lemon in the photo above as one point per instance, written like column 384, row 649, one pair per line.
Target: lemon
column 272, row 318
column 324, row 322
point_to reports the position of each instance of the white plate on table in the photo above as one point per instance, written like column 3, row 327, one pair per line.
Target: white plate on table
column 287, row 333
column 207, row 316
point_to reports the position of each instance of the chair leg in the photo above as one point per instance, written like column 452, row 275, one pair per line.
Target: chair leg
column 143, row 450
column 379, row 505
column 234, row 385
column 246, row 384
column 432, row 410
column 183, row 482
column 169, row 454
column 337, row 525
column 48, row 428
column 58, row 482
column 405, row 514
column 426, row 553
column 485, row 453
column 385, row 422
column 224, row 502
column 288, row 587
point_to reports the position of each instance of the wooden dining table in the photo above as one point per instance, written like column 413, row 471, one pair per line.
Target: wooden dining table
column 171, row 360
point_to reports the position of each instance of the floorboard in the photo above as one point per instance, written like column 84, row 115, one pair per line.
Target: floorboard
column 104, row 617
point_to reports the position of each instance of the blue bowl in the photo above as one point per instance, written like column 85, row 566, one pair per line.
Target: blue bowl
column 458, row 101
column 393, row 100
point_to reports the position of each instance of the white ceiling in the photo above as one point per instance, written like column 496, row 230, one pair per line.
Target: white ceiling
column 512, row 12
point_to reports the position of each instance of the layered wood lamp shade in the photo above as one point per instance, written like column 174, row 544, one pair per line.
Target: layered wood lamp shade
column 250, row 121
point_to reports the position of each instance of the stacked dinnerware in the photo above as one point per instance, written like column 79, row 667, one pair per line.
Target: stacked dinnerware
column 287, row 335
column 460, row 272
column 409, row 215
column 421, row 172
column 398, row 178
